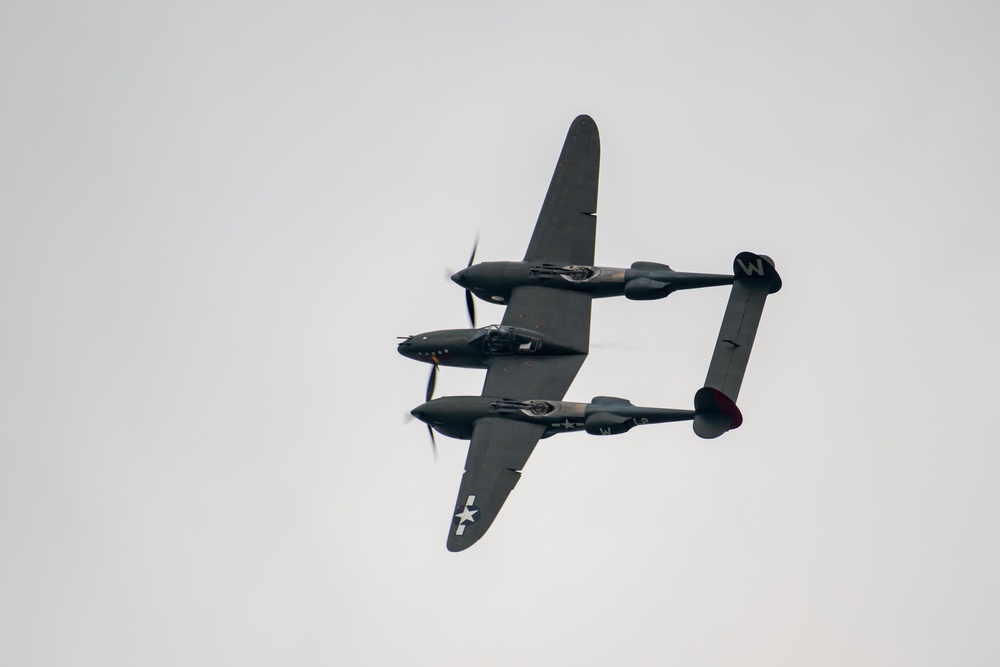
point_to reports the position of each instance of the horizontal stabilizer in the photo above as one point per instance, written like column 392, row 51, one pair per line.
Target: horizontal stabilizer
column 755, row 278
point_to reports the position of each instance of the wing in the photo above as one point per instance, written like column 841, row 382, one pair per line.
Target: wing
column 564, row 234
column 497, row 452
column 567, row 227
column 563, row 316
column 522, row 379
column 500, row 447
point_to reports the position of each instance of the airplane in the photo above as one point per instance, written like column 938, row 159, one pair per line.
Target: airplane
column 534, row 354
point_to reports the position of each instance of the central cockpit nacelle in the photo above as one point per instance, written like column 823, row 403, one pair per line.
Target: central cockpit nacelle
column 473, row 348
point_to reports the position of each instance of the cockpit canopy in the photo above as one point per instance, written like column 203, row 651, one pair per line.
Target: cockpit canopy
column 498, row 339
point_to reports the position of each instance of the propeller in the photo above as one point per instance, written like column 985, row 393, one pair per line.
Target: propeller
column 470, row 306
column 469, row 302
column 407, row 418
column 431, row 381
column 434, row 447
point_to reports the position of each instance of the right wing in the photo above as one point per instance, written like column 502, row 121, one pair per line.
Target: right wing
column 567, row 227
column 498, row 450
column 500, row 447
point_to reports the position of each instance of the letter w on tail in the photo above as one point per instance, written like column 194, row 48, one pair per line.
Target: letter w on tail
column 752, row 268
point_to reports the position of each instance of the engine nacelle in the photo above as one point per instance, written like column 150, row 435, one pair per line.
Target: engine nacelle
column 645, row 289
column 605, row 423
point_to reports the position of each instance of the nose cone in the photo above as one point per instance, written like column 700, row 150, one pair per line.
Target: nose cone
column 419, row 412
column 459, row 277
column 405, row 348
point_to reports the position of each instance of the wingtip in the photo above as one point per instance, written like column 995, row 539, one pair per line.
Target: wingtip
column 456, row 544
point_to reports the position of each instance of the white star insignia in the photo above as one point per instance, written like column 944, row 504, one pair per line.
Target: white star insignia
column 567, row 424
column 467, row 514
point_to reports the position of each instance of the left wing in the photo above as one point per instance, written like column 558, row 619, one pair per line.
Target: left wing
column 567, row 227
column 498, row 450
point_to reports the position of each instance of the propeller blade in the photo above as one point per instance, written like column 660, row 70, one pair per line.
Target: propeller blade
column 449, row 274
column 471, row 307
column 431, row 381
column 434, row 446
column 472, row 257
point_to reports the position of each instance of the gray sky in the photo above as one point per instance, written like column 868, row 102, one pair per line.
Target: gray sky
column 215, row 217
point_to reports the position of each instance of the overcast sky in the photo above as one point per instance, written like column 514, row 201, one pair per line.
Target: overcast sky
column 216, row 217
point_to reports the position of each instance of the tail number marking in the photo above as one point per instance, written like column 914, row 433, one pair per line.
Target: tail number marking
column 751, row 268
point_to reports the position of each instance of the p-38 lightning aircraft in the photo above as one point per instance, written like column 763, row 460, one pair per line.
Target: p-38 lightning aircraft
column 533, row 355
